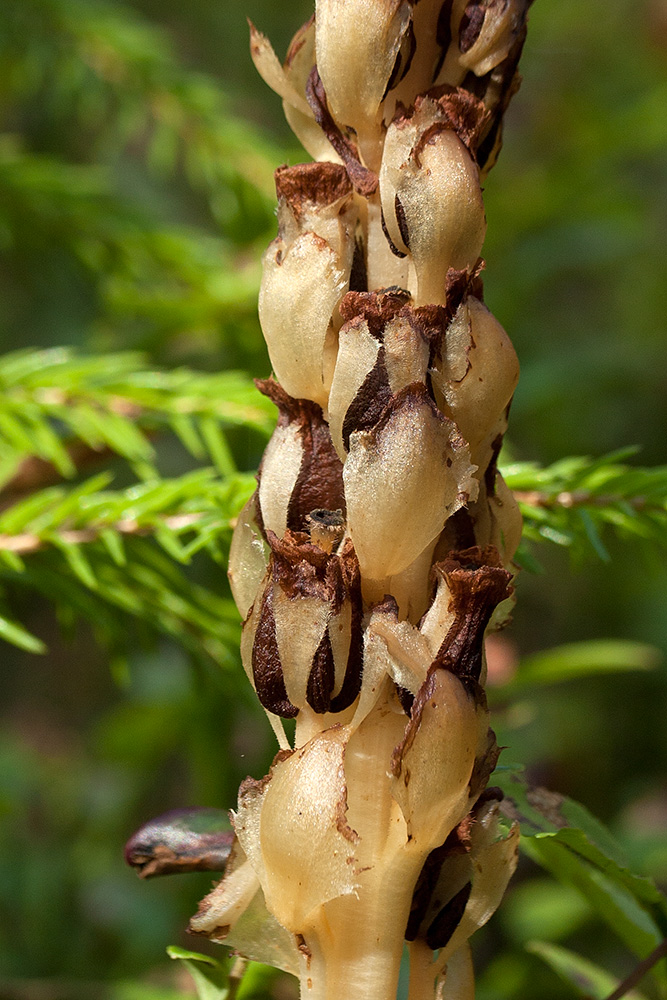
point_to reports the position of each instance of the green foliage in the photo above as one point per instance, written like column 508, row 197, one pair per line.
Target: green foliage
column 102, row 125
column 211, row 976
column 55, row 402
column 582, row 659
column 585, row 978
column 78, row 55
column 86, row 552
column 570, row 843
column 224, row 980
column 575, row 501
column 106, row 556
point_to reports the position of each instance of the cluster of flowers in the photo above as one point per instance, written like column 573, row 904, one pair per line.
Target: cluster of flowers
column 376, row 551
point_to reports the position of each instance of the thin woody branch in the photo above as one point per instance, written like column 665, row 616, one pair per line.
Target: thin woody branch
column 583, row 498
column 27, row 543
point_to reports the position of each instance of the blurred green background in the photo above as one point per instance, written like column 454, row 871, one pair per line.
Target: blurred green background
column 136, row 154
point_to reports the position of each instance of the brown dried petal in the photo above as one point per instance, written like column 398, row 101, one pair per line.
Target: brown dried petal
column 356, row 373
column 376, row 308
column 300, row 471
column 308, row 186
column 426, row 899
column 317, row 198
column 321, row 677
column 372, row 397
column 305, row 653
column 447, row 920
column 351, row 684
column 364, row 181
column 477, row 584
column 266, row 664
column 461, row 111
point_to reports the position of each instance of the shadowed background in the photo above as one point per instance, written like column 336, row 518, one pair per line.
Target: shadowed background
column 136, row 151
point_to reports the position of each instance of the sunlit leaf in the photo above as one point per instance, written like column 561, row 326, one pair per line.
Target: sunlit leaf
column 211, row 977
column 599, row 656
column 585, row 978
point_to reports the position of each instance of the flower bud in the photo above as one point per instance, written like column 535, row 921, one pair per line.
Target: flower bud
column 496, row 518
column 463, row 881
column 487, row 31
column 433, row 765
column 292, row 829
column 431, row 199
column 405, row 653
column 317, row 198
column 300, row 470
column 357, row 44
column 395, row 504
column 302, row 284
column 304, row 641
column 475, row 377
column 381, row 351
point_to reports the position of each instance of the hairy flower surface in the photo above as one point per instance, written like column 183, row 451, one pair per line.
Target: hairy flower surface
column 377, row 550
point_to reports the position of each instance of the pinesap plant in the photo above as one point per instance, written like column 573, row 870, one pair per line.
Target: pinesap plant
column 377, row 550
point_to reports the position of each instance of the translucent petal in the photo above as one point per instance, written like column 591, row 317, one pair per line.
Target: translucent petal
column 269, row 68
column 301, row 286
column 433, row 767
column 480, row 348
column 357, row 354
column 293, row 830
column 248, row 558
column 300, row 626
column 357, row 43
column 278, row 475
column 402, row 480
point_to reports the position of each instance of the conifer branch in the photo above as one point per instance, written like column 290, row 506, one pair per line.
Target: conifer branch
column 577, row 501
column 58, row 411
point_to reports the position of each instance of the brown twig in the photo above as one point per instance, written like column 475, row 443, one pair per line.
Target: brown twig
column 27, row 543
column 576, row 498
column 36, row 473
column 639, row 971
